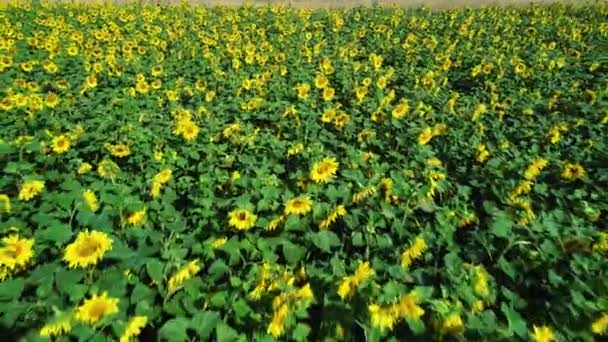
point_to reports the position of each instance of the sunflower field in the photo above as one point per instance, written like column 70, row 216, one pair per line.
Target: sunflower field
column 183, row 173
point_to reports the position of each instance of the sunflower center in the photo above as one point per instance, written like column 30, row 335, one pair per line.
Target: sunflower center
column 87, row 249
column 324, row 168
column 97, row 310
column 298, row 204
column 242, row 216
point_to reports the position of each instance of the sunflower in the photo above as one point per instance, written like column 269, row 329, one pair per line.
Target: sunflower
column 96, row 308
column 84, row 168
column 241, row 219
column 189, row 131
column 452, row 324
column 30, row 189
column 325, row 170
column 572, row 171
column 91, row 200
column 321, row 81
column 107, row 169
column 61, row 144
column 543, row 334
column 16, row 252
column 298, row 206
column 329, row 115
column 87, row 249
column 119, row 150
column 5, row 204
column 328, row 93
column 57, row 327
column 401, row 110
column 184, row 273
column 425, row 136
column 134, row 328
column 303, row 90
column 51, row 100
column 137, row 218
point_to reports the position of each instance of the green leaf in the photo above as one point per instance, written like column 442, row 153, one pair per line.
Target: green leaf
column 417, row 326
column 155, row 270
column 217, row 269
column 10, row 290
column 294, row 223
column 301, row 332
column 175, row 330
column 502, row 225
column 57, row 233
column 358, row 239
column 506, row 267
column 516, row 322
column 293, row 253
column 225, row 333
column 241, row 308
column 204, row 323
column 325, row 239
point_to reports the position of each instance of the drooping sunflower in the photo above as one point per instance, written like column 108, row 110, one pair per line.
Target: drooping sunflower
column 242, row 219
column 325, row 170
column 133, row 328
column 184, row 273
column 57, row 327
column 90, row 199
column 30, row 189
column 87, row 249
column 16, row 252
column 61, row 144
column 96, row 308
column 298, row 206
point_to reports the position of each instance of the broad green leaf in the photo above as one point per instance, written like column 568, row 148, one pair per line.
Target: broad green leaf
column 292, row 252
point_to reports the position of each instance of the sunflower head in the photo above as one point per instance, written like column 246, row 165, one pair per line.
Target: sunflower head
column 96, row 308
column 325, row 170
column 573, row 171
column 30, row 189
column 241, row 219
column 16, row 252
column 298, row 206
column 61, row 144
column 87, row 249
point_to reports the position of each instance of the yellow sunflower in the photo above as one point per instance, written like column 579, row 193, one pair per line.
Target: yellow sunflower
column 189, row 131
column 96, row 308
column 325, row 170
column 425, row 136
column 108, row 169
column 573, row 171
column 91, row 200
column 57, row 327
column 184, row 273
column 16, row 252
column 298, row 206
column 87, row 249
column 84, row 168
column 119, row 150
column 242, row 219
column 134, row 328
column 137, row 218
column 30, row 189
column 61, row 144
